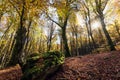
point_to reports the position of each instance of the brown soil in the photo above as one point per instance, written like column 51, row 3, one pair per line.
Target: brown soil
column 103, row 66
column 11, row 73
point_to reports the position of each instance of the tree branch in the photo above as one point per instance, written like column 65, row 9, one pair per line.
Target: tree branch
column 106, row 1
column 14, row 7
column 53, row 20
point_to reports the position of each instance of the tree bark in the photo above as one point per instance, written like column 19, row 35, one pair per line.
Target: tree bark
column 64, row 37
column 117, row 29
column 20, row 38
column 109, row 40
column 77, row 44
column 50, row 36
column 88, row 33
column 61, row 44
column 90, row 30
column 65, row 43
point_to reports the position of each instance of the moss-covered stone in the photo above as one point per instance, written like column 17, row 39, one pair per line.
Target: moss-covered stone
column 38, row 67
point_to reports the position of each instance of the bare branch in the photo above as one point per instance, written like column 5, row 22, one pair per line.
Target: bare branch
column 105, row 4
column 53, row 20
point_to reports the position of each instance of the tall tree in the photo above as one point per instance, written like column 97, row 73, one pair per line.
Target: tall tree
column 74, row 31
column 20, row 38
column 64, row 9
column 99, row 8
column 51, row 29
column 87, row 15
column 26, row 10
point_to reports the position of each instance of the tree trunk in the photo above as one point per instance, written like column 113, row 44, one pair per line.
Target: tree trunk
column 117, row 29
column 93, row 41
column 109, row 40
column 64, row 37
column 65, row 44
column 102, row 41
column 17, row 50
column 27, row 36
column 20, row 38
column 88, row 33
column 49, row 42
column 77, row 44
column 49, row 45
column 90, row 29
column 72, row 44
column 61, row 44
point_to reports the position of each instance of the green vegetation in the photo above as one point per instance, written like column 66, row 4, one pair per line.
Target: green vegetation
column 38, row 65
column 53, row 58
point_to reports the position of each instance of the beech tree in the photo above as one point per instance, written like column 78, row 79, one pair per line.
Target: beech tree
column 64, row 9
column 22, row 8
column 98, row 8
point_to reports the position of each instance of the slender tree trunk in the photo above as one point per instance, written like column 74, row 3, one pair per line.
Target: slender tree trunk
column 101, row 37
column 49, row 45
column 27, row 36
column 7, row 54
column 49, row 42
column 86, row 44
column 12, row 45
column 117, row 29
column 93, row 41
column 109, row 40
column 73, row 47
column 89, row 48
column 30, row 45
column 77, row 44
column 9, row 51
column 50, row 36
column 88, row 33
column 4, row 34
column 61, row 44
column 90, row 29
column 88, row 25
column 81, row 43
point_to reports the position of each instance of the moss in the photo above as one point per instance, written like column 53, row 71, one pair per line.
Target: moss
column 33, row 68
column 53, row 58
column 30, row 67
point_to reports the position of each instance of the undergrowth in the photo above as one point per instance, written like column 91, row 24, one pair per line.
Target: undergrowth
column 40, row 64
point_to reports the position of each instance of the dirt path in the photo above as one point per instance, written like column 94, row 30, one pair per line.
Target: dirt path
column 104, row 66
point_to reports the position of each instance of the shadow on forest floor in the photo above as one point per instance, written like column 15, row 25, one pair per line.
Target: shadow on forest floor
column 104, row 66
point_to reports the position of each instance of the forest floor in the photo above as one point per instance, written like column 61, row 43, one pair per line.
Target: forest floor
column 103, row 66
column 11, row 73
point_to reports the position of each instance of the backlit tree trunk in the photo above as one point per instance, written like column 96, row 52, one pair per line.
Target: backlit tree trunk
column 109, row 40
column 117, row 29
column 65, row 43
